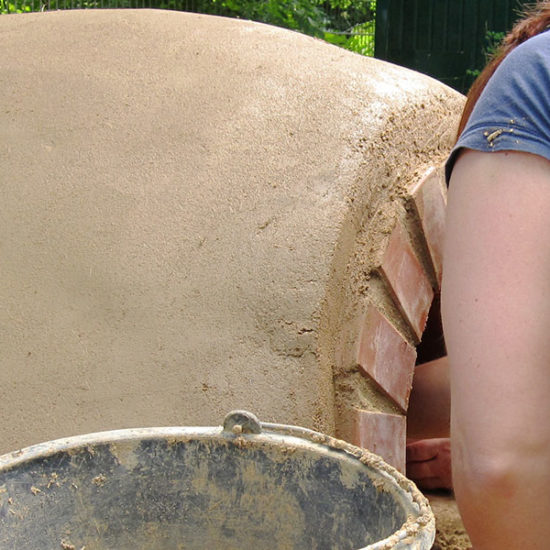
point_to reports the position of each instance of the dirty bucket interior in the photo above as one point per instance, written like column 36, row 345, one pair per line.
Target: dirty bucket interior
column 241, row 486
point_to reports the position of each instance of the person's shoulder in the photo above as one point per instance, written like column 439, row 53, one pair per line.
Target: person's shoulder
column 513, row 111
column 535, row 43
column 524, row 75
column 534, row 52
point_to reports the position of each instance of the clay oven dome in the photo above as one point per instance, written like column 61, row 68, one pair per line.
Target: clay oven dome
column 194, row 215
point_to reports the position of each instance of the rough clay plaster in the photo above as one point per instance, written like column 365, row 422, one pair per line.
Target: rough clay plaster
column 181, row 197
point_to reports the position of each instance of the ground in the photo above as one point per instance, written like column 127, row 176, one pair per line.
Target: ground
column 450, row 532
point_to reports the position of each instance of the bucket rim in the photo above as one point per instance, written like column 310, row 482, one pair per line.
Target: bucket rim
column 421, row 525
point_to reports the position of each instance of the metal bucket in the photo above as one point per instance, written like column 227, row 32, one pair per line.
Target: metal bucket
column 244, row 485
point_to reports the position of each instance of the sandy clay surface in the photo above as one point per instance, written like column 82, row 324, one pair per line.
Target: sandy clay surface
column 450, row 532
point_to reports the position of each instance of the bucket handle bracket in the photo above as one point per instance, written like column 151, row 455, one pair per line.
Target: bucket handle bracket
column 241, row 422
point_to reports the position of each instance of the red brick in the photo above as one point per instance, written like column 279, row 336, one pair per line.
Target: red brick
column 407, row 280
column 383, row 434
column 385, row 356
column 429, row 198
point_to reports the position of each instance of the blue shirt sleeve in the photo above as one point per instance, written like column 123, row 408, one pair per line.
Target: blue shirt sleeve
column 513, row 111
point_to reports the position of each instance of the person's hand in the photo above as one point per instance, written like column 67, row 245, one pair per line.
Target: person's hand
column 429, row 463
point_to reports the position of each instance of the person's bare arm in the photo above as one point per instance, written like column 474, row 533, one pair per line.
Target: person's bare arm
column 429, row 463
column 428, row 426
column 428, row 415
column 496, row 316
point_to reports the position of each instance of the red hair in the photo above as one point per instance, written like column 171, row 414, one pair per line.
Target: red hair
column 536, row 20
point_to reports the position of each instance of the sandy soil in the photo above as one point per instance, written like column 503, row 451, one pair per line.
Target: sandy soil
column 450, row 532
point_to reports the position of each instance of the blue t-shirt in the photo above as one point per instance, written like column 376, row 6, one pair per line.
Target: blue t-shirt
column 513, row 111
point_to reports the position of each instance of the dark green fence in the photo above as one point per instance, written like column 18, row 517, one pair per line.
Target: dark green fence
column 447, row 39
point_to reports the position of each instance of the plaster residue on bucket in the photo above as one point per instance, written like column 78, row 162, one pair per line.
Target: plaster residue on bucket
column 126, row 452
column 251, row 490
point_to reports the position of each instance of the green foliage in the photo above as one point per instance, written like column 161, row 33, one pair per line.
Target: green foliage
column 346, row 15
column 359, row 39
column 306, row 16
column 344, row 23
column 493, row 40
column 492, row 43
column 16, row 6
column 351, row 25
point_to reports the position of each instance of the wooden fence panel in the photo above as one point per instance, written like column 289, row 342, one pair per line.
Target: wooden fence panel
column 443, row 38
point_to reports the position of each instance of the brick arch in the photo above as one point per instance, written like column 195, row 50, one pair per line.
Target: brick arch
column 378, row 347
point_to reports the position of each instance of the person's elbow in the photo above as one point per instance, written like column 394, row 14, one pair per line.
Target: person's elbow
column 498, row 473
column 490, row 475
